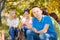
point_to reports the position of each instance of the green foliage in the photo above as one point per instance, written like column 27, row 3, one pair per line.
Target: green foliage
column 20, row 5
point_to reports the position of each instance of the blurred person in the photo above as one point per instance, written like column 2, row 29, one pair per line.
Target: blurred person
column 26, row 21
column 45, row 11
column 54, row 16
column 58, row 21
column 55, row 22
column 42, row 26
column 13, row 22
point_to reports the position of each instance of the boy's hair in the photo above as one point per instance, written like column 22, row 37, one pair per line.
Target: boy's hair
column 35, row 6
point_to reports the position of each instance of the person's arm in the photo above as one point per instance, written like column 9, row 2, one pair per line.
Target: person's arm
column 48, row 22
column 44, row 30
column 31, row 28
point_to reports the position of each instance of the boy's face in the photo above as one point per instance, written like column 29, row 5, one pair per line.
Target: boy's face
column 37, row 12
column 12, row 13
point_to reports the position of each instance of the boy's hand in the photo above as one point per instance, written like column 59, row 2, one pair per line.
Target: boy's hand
column 35, row 30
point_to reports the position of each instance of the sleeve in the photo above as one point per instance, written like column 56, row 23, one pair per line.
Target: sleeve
column 9, row 23
column 48, row 20
column 33, row 23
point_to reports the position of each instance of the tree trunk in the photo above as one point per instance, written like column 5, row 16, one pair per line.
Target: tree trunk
column 2, row 3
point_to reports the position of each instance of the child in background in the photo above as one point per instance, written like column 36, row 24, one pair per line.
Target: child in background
column 26, row 21
column 13, row 22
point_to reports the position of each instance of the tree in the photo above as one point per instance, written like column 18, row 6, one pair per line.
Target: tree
column 2, row 2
